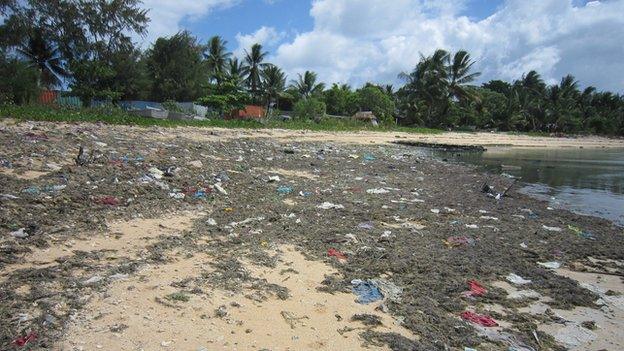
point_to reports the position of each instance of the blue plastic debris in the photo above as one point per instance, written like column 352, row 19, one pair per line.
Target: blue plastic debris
column 284, row 190
column 369, row 157
column 199, row 194
column 32, row 190
column 366, row 291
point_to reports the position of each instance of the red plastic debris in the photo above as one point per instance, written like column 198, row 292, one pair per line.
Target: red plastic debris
column 335, row 253
column 454, row 241
column 108, row 200
column 23, row 340
column 35, row 136
column 476, row 289
column 480, row 319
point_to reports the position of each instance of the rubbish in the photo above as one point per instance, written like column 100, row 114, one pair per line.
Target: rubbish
column 386, row 236
column 273, row 179
column 550, row 265
column 107, row 200
column 220, row 189
column 524, row 246
column 82, row 158
column 32, row 190
column 196, row 164
column 305, row 193
column 200, row 194
column 366, row 291
column 211, row 221
column 503, row 337
column 472, row 226
column 246, row 221
column 366, row 225
column 118, row 276
column 476, row 289
column 388, row 289
column 284, row 190
column 351, row 238
column 369, row 157
column 516, row 279
column 479, row 319
column 524, row 294
column 489, row 218
column 574, row 335
column 378, row 191
column 156, row 173
column 581, row 233
column 20, row 233
column 166, row 343
column 355, row 157
column 335, row 253
column 93, row 280
column 469, row 349
column 551, row 229
column 23, row 340
column 329, row 206
column 435, row 210
column 176, row 195
column 455, row 241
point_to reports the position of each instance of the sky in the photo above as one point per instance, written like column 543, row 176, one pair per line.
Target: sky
column 357, row 41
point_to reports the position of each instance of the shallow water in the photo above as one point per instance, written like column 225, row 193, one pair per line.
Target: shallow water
column 586, row 181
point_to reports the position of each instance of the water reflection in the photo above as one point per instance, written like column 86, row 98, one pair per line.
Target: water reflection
column 588, row 181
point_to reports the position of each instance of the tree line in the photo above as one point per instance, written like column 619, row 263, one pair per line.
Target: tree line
column 87, row 46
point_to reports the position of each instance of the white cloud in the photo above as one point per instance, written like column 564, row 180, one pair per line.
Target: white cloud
column 166, row 15
column 266, row 36
column 373, row 40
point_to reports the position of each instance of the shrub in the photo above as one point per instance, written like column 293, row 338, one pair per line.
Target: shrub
column 19, row 83
column 310, row 108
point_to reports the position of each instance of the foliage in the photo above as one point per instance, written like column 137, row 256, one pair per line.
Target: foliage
column 340, row 100
column 172, row 106
column 306, row 85
column 254, row 63
column 310, row 109
column 235, row 72
column 177, row 68
column 79, row 29
column 373, row 98
column 41, row 54
column 224, row 98
column 19, row 83
column 116, row 116
column 91, row 81
column 273, row 85
column 217, row 58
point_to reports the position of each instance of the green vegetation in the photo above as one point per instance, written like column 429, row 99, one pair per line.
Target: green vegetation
column 178, row 296
column 87, row 46
column 117, row 116
column 310, row 109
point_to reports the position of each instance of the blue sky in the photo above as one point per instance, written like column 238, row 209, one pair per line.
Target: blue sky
column 288, row 16
column 357, row 41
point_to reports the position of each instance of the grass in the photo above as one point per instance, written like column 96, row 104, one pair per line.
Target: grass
column 119, row 117
column 178, row 296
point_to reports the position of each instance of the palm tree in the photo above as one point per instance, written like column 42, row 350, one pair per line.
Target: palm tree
column 459, row 75
column 253, row 66
column 426, row 88
column 217, row 58
column 273, row 84
column 42, row 55
column 235, row 72
column 306, row 85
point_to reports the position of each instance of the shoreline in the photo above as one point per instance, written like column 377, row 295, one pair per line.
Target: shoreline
column 140, row 239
